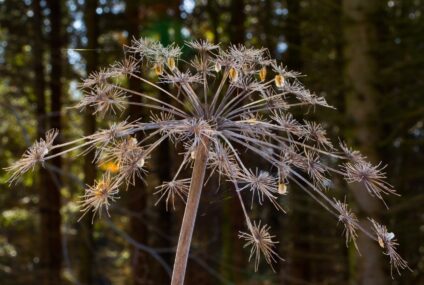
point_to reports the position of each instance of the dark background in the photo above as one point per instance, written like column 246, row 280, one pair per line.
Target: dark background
column 366, row 57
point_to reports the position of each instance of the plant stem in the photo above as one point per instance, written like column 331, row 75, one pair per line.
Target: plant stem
column 190, row 213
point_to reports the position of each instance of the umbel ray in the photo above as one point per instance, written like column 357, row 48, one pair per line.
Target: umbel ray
column 220, row 103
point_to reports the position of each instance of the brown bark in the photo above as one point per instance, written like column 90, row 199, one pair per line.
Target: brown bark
column 39, row 84
column 361, row 105
column 212, row 8
column 190, row 213
column 236, row 29
column 136, row 196
column 87, row 256
column 39, row 80
column 267, row 26
column 298, row 259
column 51, row 243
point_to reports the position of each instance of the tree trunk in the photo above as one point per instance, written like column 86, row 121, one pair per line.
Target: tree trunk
column 234, row 254
column 212, row 8
column 236, row 29
column 51, row 243
column 361, row 105
column 39, row 87
column 136, row 195
column 87, row 257
column 39, row 80
column 298, row 224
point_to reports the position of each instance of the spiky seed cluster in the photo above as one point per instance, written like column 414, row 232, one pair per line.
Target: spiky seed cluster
column 260, row 242
column 173, row 189
column 34, row 155
column 99, row 196
column 262, row 185
column 372, row 176
column 103, row 99
column 238, row 98
column 388, row 242
column 349, row 220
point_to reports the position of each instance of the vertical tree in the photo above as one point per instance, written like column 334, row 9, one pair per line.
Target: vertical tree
column 87, row 257
column 51, row 244
column 232, row 209
column 212, row 8
column 39, row 80
column 39, row 90
column 361, row 105
column 298, row 263
column 236, row 28
column 137, row 198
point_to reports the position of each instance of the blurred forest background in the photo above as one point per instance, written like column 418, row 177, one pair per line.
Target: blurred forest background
column 366, row 57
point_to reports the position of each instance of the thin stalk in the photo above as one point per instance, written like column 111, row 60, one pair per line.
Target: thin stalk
column 190, row 213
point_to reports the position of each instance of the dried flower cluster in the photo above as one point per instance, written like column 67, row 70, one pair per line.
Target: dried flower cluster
column 228, row 100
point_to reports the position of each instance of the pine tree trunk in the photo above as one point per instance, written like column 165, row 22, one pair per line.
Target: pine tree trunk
column 212, row 8
column 136, row 196
column 361, row 106
column 298, row 260
column 87, row 250
column 51, row 243
column 232, row 206
column 39, row 87
column 236, row 28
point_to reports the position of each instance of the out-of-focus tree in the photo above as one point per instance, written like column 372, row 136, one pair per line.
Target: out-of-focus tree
column 360, row 36
column 87, row 261
column 137, row 195
column 51, row 239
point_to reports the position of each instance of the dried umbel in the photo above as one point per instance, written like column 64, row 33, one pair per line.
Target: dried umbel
column 35, row 154
column 221, row 103
column 99, row 196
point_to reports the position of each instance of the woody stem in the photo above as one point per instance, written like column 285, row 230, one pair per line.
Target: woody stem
column 190, row 213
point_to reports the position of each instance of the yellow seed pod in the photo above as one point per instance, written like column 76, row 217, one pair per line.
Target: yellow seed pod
column 251, row 121
column 171, row 63
column 233, row 74
column 158, row 67
column 262, row 73
column 140, row 163
column 217, row 67
column 133, row 141
column 101, row 189
column 193, row 154
column 282, row 188
column 381, row 242
column 279, row 80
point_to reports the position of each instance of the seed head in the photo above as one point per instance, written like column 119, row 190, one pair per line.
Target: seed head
column 173, row 189
column 260, row 242
column 222, row 96
column 34, row 155
column 370, row 176
column 349, row 220
column 388, row 242
column 99, row 196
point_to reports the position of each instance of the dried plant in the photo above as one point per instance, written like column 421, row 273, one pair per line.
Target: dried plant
column 222, row 102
